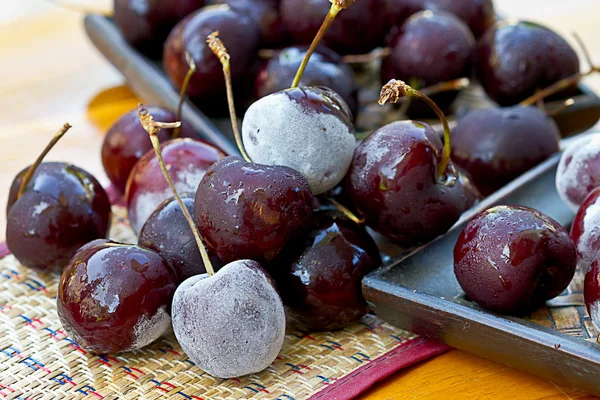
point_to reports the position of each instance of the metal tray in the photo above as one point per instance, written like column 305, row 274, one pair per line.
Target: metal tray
column 418, row 292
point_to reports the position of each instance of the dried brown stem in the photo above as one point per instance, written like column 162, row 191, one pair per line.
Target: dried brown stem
column 367, row 58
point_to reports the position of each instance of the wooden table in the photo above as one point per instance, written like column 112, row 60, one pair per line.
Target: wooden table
column 52, row 74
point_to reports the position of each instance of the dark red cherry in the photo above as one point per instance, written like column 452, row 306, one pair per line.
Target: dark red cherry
column 430, row 48
column 187, row 161
column 146, row 24
column 115, row 297
column 273, row 33
column 392, row 183
column 320, row 277
column 591, row 292
column 356, row 30
column 250, row 211
column 496, row 145
column 240, row 35
column 585, row 230
column 579, row 170
column 512, row 259
column 479, row 15
column 514, row 59
column 168, row 233
column 326, row 68
column 62, row 208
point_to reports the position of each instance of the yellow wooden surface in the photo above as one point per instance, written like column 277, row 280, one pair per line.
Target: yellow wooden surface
column 51, row 74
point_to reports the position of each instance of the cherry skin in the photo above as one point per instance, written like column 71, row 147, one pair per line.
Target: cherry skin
column 250, row 211
column 496, row 145
column 512, row 259
column 326, row 68
column 320, row 277
column 115, row 297
column 514, row 59
column 62, row 208
column 207, row 86
column 187, row 161
column 430, row 48
column 146, row 25
column 321, row 153
column 392, row 183
column 579, row 170
column 479, row 15
column 168, row 233
column 585, row 229
column 232, row 323
column 591, row 292
column 356, row 30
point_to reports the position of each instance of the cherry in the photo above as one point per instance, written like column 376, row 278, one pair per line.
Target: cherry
column 430, row 48
column 320, row 277
column 358, row 30
column 187, row 160
column 167, row 232
column 591, row 293
column 496, row 145
column 512, row 259
column 206, row 86
column 115, row 297
column 479, row 15
column 53, row 209
column 398, row 11
column 579, row 170
column 513, row 59
column 326, row 68
column 147, row 24
column 585, row 229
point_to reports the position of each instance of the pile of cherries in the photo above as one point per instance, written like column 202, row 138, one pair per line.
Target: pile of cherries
column 282, row 230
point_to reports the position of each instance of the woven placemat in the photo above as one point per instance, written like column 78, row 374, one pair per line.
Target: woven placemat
column 38, row 360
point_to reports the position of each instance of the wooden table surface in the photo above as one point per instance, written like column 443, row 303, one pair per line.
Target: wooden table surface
column 52, row 74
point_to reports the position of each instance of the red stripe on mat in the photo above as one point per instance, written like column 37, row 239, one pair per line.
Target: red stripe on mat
column 360, row 380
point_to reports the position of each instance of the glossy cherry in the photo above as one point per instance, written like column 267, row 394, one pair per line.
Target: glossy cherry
column 115, row 297
column 585, row 229
column 591, row 292
column 512, row 259
column 496, row 145
column 207, row 86
column 167, row 232
column 325, row 68
column 62, row 208
column 147, row 24
column 579, row 170
column 320, row 277
column 514, row 59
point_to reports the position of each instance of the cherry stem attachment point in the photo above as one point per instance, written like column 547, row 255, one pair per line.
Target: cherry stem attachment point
column 336, row 7
column 345, row 210
column 38, row 161
column 218, row 48
column 394, row 90
column 153, row 128
column 186, row 82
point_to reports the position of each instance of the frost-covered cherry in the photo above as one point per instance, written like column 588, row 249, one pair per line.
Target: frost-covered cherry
column 585, row 230
column 309, row 129
column 579, row 170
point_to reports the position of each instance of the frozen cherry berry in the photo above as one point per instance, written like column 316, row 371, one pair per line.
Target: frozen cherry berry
column 496, row 145
column 585, row 229
column 250, row 211
column 187, row 161
column 512, row 259
column 320, row 277
column 579, row 170
column 115, row 297
column 231, row 324
column 591, row 292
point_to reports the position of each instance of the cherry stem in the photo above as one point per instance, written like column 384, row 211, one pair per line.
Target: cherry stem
column 186, row 82
column 394, row 90
column 566, row 104
column 345, row 210
column 367, row 58
column 40, row 158
column 336, row 7
column 218, row 48
column 153, row 128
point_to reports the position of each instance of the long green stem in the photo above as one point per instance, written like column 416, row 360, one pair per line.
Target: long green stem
column 153, row 128
column 38, row 161
column 336, row 7
column 345, row 210
column 186, row 82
